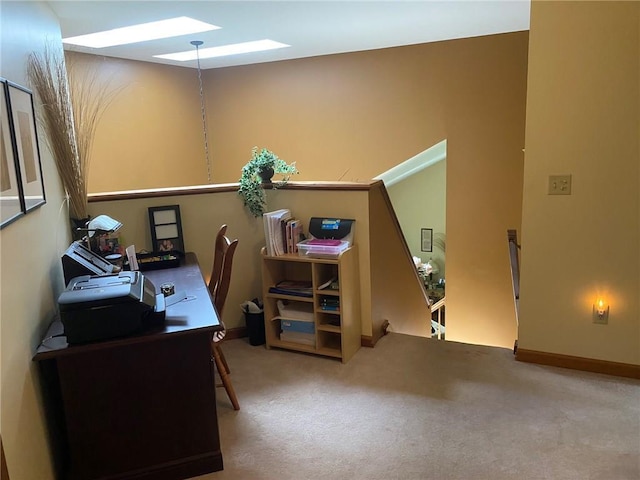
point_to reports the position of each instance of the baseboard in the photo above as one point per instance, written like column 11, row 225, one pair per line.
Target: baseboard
column 579, row 363
column 370, row 341
column 238, row 332
column 367, row 341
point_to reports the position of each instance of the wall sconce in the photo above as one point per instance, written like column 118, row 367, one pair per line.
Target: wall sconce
column 600, row 311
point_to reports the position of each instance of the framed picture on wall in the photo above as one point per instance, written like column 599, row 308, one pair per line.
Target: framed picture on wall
column 166, row 228
column 11, row 207
column 426, row 239
column 23, row 123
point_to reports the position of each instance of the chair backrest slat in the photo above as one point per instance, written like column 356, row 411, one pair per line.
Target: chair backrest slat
column 220, row 280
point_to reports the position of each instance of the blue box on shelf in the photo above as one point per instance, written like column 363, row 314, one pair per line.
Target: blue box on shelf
column 297, row 326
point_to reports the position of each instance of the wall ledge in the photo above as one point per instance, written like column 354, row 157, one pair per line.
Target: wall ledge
column 579, row 363
column 223, row 187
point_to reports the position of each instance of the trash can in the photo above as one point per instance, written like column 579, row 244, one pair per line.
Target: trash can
column 254, row 317
column 255, row 328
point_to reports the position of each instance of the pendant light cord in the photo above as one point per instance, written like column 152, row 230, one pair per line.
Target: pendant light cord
column 197, row 43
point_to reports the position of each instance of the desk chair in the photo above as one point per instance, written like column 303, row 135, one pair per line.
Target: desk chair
column 218, row 288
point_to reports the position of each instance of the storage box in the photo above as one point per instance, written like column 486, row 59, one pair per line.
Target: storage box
column 296, row 310
column 317, row 248
column 297, row 326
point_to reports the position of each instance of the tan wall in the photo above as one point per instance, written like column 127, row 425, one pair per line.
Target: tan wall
column 583, row 121
column 397, row 295
column 353, row 116
column 420, row 202
column 203, row 214
column 151, row 133
column 30, row 271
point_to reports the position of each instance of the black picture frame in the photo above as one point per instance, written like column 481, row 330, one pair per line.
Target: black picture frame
column 166, row 228
column 11, row 200
column 426, row 239
column 27, row 151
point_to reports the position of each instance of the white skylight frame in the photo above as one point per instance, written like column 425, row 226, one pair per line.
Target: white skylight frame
column 224, row 50
column 171, row 27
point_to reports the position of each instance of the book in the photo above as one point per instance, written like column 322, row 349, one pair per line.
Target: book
column 330, row 304
column 290, row 292
column 296, row 234
column 293, row 287
column 273, row 231
column 328, row 284
column 288, row 235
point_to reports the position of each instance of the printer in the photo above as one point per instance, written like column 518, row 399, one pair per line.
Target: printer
column 79, row 260
column 100, row 307
column 329, row 237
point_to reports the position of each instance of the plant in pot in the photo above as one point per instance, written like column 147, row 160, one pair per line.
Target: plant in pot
column 257, row 174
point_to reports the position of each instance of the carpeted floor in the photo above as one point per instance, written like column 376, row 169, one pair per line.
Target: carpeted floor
column 416, row 408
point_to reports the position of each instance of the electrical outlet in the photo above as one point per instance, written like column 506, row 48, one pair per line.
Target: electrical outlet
column 559, row 185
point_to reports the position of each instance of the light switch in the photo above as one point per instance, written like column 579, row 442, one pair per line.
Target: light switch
column 559, row 185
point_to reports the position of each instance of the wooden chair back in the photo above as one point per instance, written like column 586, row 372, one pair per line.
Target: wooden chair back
column 221, row 273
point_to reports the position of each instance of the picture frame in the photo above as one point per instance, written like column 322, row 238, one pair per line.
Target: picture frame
column 426, row 239
column 27, row 151
column 11, row 200
column 166, row 228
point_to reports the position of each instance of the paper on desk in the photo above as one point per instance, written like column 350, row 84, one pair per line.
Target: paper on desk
column 175, row 298
column 131, row 256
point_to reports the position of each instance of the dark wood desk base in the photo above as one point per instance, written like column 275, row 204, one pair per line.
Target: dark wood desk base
column 137, row 408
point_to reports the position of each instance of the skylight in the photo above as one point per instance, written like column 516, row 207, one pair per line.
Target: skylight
column 172, row 27
column 223, row 50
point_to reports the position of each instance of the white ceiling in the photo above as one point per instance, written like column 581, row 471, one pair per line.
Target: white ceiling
column 311, row 27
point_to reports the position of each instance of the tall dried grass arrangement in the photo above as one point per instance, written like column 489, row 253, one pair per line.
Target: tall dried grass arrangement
column 72, row 104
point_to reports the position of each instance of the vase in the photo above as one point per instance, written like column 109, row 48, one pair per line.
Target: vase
column 265, row 175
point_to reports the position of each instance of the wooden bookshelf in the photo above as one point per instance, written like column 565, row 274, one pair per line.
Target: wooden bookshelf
column 338, row 330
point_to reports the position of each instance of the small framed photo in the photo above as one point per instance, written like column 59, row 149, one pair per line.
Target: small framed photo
column 166, row 229
column 11, row 207
column 426, row 239
column 23, row 122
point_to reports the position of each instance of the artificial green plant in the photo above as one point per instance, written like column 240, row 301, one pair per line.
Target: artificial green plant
column 252, row 184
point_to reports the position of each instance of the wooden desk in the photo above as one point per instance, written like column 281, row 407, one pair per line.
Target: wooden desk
column 140, row 407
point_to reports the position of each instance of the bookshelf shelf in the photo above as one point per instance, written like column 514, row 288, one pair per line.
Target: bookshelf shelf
column 292, row 298
column 337, row 332
column 328, row 292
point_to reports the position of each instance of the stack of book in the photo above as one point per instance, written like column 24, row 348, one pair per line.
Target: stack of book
column 331, row 284
column 330, row 304
column 298, row 288
column 282, row 232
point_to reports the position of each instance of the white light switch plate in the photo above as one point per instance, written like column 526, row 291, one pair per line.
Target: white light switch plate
column 559, row 185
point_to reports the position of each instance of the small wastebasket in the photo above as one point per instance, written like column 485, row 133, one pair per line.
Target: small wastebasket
column 254, row 317
column 255, row 328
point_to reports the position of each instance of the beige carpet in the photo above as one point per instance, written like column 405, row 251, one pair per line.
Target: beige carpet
column 416, row 408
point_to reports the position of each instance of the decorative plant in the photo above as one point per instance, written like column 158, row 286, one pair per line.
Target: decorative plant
column 257, row 173
column 71, row 107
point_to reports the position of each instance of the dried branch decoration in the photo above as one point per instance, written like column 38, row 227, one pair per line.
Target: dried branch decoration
column 71, row 107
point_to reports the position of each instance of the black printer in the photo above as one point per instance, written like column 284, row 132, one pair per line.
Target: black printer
column 99, row 307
